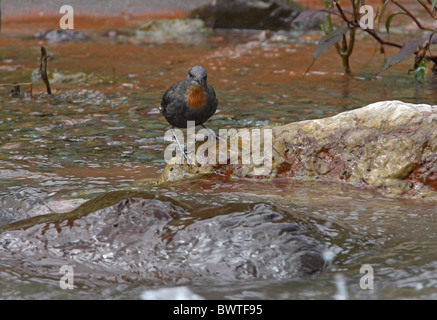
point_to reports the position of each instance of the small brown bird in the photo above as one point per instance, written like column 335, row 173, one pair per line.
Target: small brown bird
column 192, row 99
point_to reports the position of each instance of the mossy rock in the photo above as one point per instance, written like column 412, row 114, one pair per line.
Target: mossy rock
column 172, row 28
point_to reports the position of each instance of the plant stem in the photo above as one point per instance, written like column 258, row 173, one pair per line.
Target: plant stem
column 427, row 9
column 417, row 22
column 342, row 13
column 347, row 51
column 381, row 41
column 351, row 41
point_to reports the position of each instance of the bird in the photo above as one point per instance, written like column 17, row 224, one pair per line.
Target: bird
column 192, row 99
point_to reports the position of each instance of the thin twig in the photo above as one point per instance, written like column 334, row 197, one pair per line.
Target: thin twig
column 19, row 84
column 342, row 14
column 369, row 31
column 15, row 84
column 428, row 9
column 417, row 22
column 380, row 40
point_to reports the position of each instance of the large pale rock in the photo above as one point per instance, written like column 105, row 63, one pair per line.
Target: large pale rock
column 387, row 145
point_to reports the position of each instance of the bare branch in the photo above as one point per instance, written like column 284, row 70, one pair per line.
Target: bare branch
column 428, row 9
column 417, row 22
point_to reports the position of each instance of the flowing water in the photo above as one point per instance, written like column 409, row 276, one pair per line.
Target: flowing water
column 101, row 132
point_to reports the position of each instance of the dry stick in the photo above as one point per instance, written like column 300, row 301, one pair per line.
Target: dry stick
column 43, row 70
column 19, row 84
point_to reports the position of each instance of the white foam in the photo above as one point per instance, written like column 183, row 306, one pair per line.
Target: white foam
column 172, row 293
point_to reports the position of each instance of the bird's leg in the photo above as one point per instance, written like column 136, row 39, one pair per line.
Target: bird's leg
column 216, row 135
column 182, row 151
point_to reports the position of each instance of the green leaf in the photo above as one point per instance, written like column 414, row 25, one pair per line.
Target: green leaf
column 329, row 40
column 322, row 26
column 389, row 19
column 326, row 42
column 381, row 11
column 407, row 50
column 419, row 73
column 433, row 5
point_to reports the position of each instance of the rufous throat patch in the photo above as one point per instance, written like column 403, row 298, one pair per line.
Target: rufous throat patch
column 196, row 97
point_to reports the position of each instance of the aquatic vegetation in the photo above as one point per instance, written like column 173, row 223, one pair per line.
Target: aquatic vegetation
column 360, row 18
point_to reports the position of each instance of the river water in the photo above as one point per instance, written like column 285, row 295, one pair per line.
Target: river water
column 101, row 132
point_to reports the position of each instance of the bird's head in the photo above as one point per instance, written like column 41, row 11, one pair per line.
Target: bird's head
column 197, row 76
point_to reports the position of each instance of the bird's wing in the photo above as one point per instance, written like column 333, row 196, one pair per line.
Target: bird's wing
column 170, row 96
column 214, row 99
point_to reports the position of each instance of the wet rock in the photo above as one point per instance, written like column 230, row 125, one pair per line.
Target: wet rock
column 159, row 240
column 62, row 77
column 15, row 91
column 390, row 146
column 165, row 29
column 249, row 14
column 59, row 35
column 65, row 77
column 114, row 33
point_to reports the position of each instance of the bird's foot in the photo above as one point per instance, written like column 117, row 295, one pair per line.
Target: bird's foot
column 181, row 149
column 216, row 135
column 185, row 155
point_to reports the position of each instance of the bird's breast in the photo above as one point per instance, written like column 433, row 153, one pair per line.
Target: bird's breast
column 196, row 97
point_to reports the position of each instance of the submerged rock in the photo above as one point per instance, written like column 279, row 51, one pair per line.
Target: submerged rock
column 165, row 29
column 65, row 77
column 159, row 240
column 59, row 35
column 249, row 14
column 390, row 146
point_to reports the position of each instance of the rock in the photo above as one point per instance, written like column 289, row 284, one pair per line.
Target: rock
column 15, row 91
column 62, row 77
column 165, row 29
column 309, row 19
column 59, row 35
column 147, row 238
column 66, row 77
column 390, row 146
column 248, row 14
